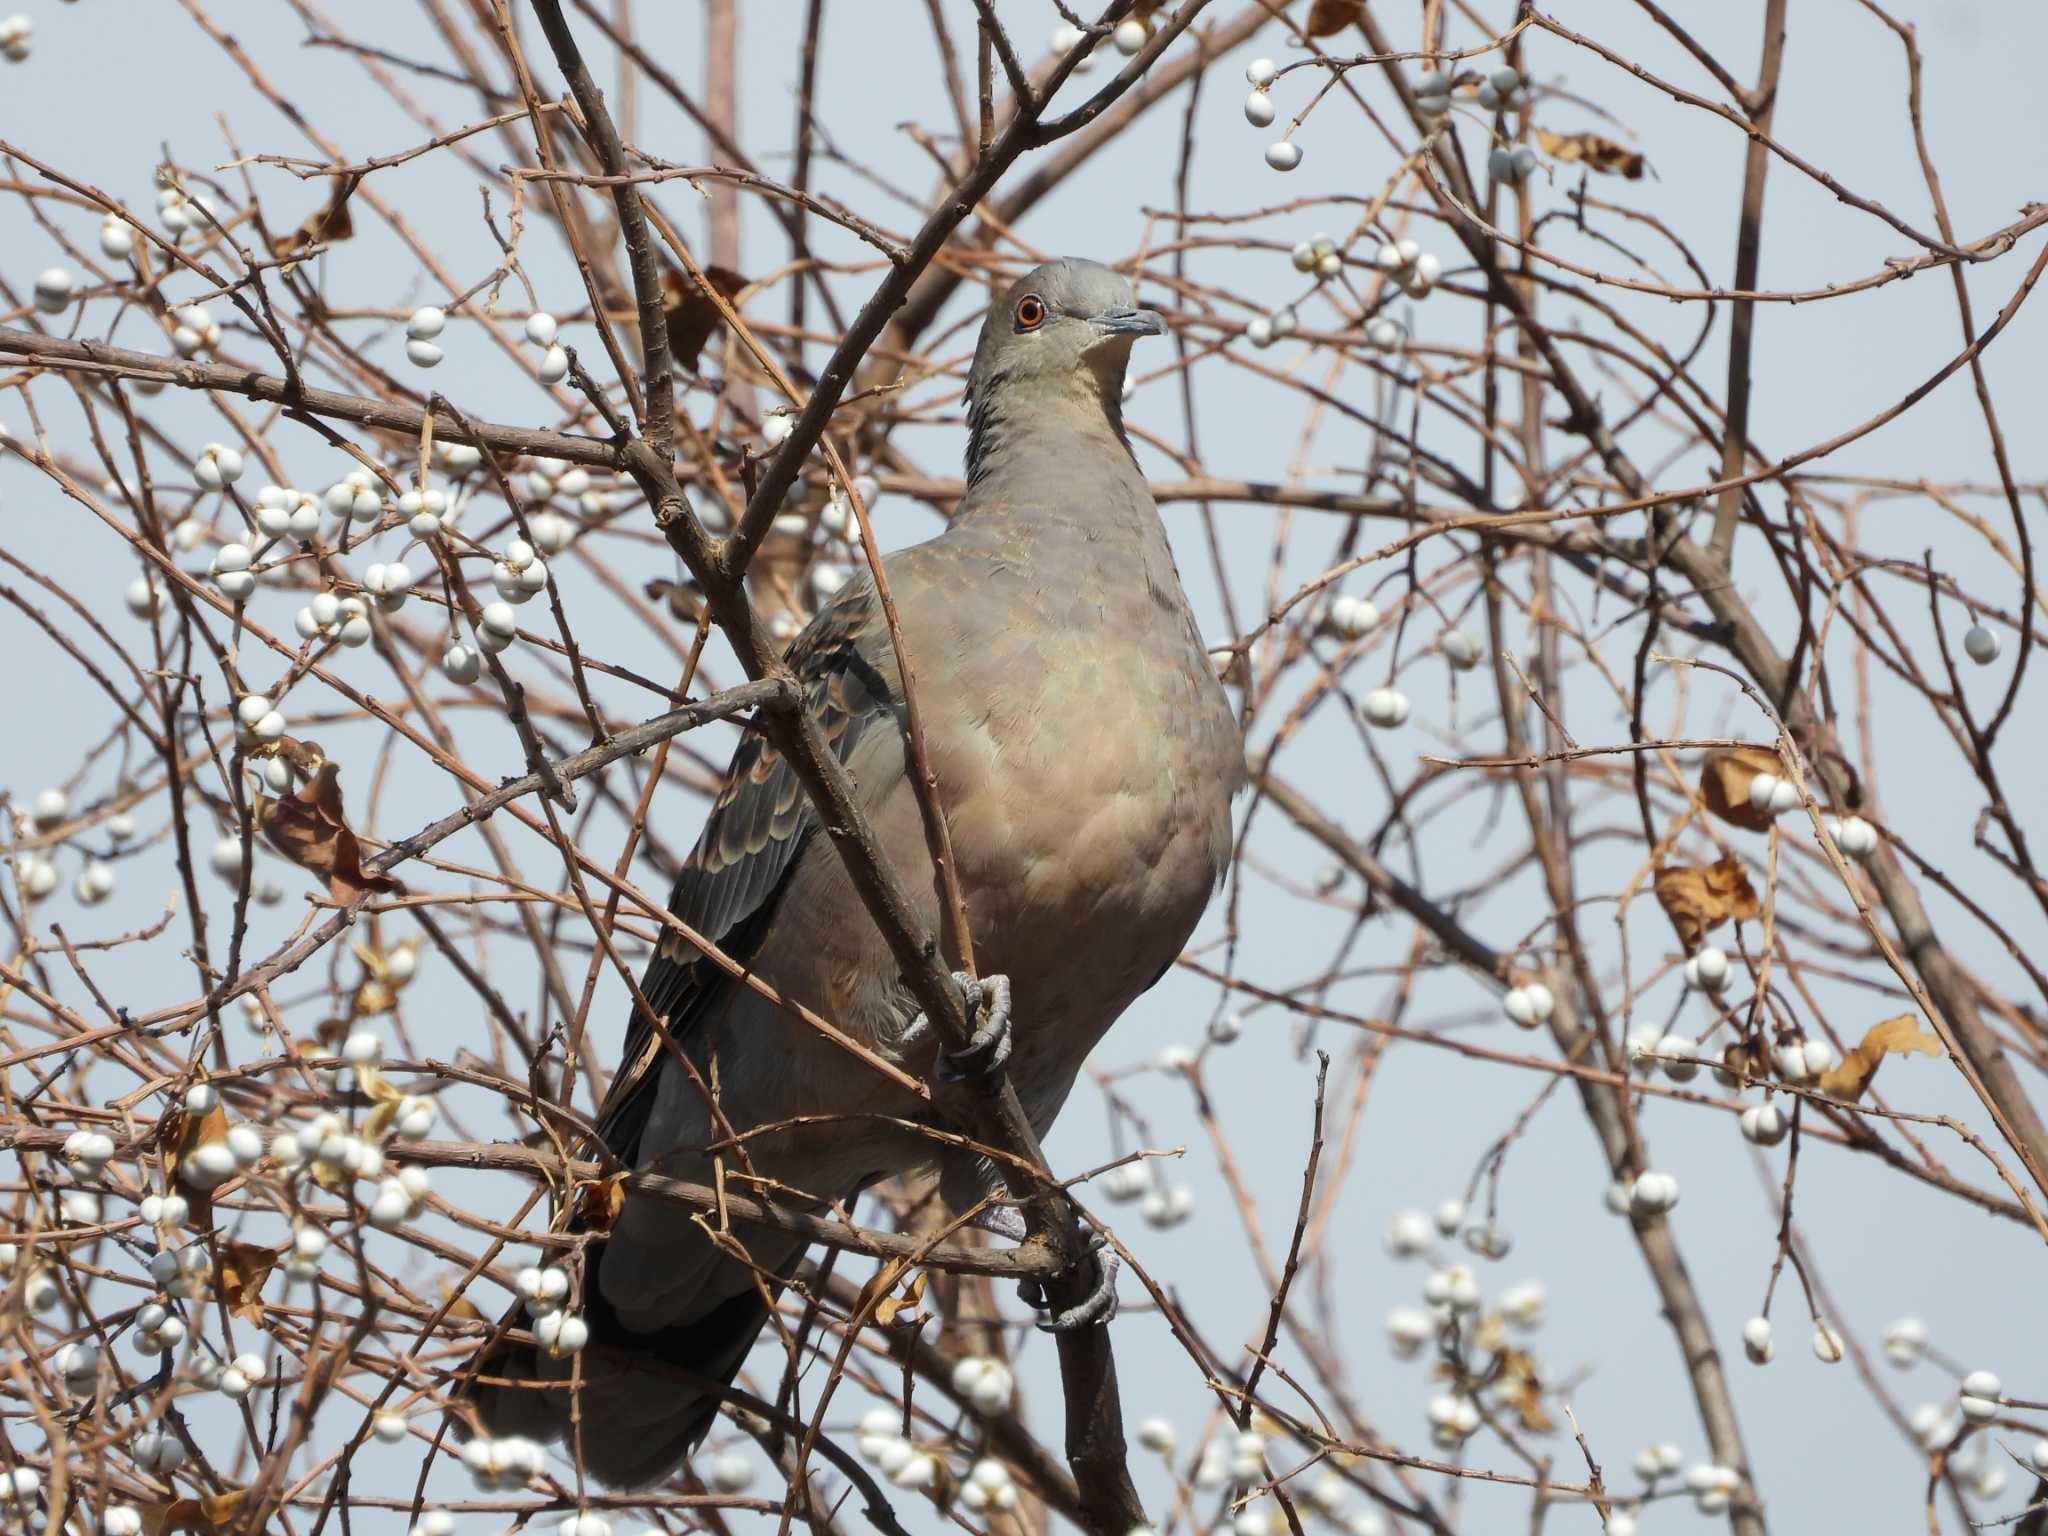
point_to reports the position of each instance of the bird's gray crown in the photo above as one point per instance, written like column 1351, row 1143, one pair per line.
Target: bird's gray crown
column 1054, row 346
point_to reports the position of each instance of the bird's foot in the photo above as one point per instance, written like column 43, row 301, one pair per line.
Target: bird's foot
column 987, row 1000
column 1098, row 1306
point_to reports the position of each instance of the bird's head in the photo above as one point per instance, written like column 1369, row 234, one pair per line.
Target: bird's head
column 1060, row 337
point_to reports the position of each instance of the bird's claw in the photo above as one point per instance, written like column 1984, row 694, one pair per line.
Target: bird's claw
column 1098, row 1306
column 987, row 1001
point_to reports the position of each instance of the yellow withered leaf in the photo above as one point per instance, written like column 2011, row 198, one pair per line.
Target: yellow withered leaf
column 1593, row 152
column 1699, row 898
column 904, row 1308
column 1724, row 785
column 1899, row 1036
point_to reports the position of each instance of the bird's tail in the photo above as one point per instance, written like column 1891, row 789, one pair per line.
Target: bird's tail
column 642, row 1402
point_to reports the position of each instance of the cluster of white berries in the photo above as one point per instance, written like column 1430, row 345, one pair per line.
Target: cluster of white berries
column 425, row 511
column 388, row 582
column 1386, row 708
column 497, row 627
column 1530, row 1005
column 1511, row 166
column 196, row 330
column 1346, row 616
column 79, row 1365
column 1652, row 1193
column 355, row 496
column 1433, row 94
column 53, row 290
column 181, row 210
column 217, row 466
column 39, row 1291
column 157, row 1451
column 165, row 1213
column 158, row 1330
column 1318, row 256
column 1773, row 796
column 541, row 331
column 547, row 477
column 504, row 1464
column 230, row 572
column 544, row 1291
column 117, row 238
column 255, row 721
column 1282, row 154
column 1801, row 1060
column 1452, row 1419
column 213, row 1163
column 1407, row 264
column 422, row 328
column 1263, row 330
column 86, row 1155
column 1165, row 1206
column 1707, row 970
column 986, row 1383
column 328, row 617
column 15, row 32
column 519, row 574
column 1503, row 91
column 1853, row 835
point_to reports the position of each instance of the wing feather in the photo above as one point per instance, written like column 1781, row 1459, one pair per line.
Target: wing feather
column 727, row 887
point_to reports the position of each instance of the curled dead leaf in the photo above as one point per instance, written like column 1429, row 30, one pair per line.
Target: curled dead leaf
column 1328, row 16
column 691, row 314
column 1724, row 785
column 1699, row 898
column 242, row 1270
column 599, row 1202
column 1593, row 152
column 209, row 1515
column 1520, row 1386
column 1899, row 1036
column 308, row 827
column 330, row 223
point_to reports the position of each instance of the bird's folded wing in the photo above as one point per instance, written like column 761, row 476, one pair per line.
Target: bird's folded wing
column 727, row 887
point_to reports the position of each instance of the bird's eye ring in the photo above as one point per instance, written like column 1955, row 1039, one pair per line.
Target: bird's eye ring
column 1030, row 312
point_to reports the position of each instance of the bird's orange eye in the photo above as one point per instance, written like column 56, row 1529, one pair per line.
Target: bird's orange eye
column 1030, row 312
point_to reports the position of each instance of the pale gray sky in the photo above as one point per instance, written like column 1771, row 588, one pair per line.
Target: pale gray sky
column 112, row 81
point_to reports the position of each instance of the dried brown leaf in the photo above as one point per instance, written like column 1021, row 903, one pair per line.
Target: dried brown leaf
column 209, row 1514
column 903, row 1309
column 1593, row 152
column 692, row 316
column 243, row 1269
column 1328, row 16
column 308, row 827
column 1899, row 1036
column 330, row 223
column 1724, row 785
column 599, row 1202
column 1699, row 898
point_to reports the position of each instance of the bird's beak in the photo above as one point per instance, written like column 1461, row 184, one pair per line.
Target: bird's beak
column 1129, row 322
